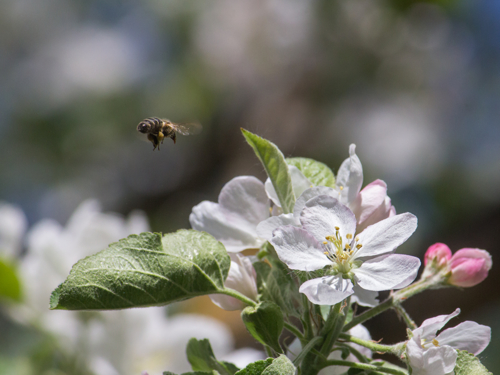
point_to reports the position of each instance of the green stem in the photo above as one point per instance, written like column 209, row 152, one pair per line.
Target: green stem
column 291, row 328
column 360, row 357
column 306, row 349
column 368, row 314
column 373, row 346
column 234, row 293
column 402, row 312
column 365, row 366
column 394, row 299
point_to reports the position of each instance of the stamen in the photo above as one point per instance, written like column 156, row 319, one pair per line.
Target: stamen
column 359, row 246
column 348, row 236
column 435, row 342
column 337, row 229
column 341, row 187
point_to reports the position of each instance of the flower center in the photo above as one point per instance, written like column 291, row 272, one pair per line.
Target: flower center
column 426, row 344
column 340, row 251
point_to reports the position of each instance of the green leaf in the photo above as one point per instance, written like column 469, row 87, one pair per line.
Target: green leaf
column 468, row 364
column 270, row 366
column 281, row 288
column 265, row 323
column 280, row 366
column 145, row 270
column 276, row 168
column 202, row 358
column 256, row 368
column 10, row 288
column 316, row 172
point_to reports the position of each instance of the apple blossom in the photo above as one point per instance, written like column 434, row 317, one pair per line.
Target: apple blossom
column 243, row 278
column 243, row 203
column 364, row 260
column 431, row 354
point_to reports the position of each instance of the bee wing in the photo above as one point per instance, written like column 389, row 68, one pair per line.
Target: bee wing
column 187, row 128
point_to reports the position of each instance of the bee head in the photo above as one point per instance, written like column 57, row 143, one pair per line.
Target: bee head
column 143, row 127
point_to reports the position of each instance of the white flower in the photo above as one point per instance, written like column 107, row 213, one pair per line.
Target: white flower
column 327, row 238
column 243, row 203
column 243, row 278
column 51, row 252
column 429, row 354
column 13, row 224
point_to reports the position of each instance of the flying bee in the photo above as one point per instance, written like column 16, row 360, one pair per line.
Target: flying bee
column 158, row 129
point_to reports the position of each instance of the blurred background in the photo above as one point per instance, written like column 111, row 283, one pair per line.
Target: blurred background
column 414, row 84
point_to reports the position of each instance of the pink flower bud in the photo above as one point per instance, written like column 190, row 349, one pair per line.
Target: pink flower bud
column 469, row 267
column 438, row 251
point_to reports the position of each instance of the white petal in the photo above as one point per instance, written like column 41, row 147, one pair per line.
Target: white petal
column 439, row 361
column 245, row 196
column 468, row 335
column 322, row 214
column 241, row 277
column 386, row 235
column 386, row 271
column 298, row 249
column 242, row 205
column 309, row 194
column 271, row 192
column 350, row 177
column 299, row 181
column 266, row 228
column 13, row 224
column 233, row 231
column 364, row 297
column 327, row 290
column 369, row 199
column 429, row 327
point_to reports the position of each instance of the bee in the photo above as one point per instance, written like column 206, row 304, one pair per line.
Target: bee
column 158, row 129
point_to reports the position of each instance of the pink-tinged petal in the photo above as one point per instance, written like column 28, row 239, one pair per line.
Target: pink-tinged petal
column 468, row 335
column 440, row 251
column 243, row 204
column 369, row 199
column 234, row 232
column 322, row 214
column 384, row 211
column 298, row 249
column 386, row 235
column 469, row 267
column 266, row 228
column 429, row 327
column 309, row 194
column 299, row 184
column 327, row 290
column 364, row 297
column 350, row 177
column 246, row 197
column 386, row 271
column 242, row 277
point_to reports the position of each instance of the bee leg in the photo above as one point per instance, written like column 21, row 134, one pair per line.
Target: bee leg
column 154, row 141
column 173, row 137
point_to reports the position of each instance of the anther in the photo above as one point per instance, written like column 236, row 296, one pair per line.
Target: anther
column 435, row 342
column 348, row 236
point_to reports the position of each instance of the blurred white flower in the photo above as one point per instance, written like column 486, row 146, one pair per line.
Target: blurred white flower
column 13, row 225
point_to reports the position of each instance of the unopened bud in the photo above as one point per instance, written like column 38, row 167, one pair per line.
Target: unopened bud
column 439, row 252
column 469, row 267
